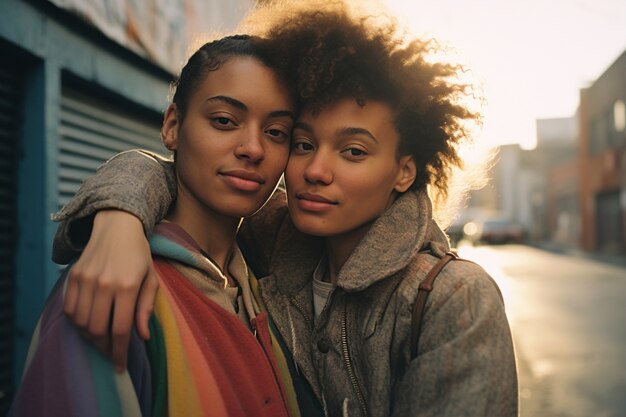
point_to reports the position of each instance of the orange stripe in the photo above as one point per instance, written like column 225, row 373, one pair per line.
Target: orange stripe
column 193, row 390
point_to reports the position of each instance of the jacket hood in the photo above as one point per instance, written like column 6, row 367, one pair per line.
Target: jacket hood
column 169, row 240
column 405, row 229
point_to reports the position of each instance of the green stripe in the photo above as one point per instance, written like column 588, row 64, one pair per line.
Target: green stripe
column 162, row 246
column 104, row 383
column 157, row 355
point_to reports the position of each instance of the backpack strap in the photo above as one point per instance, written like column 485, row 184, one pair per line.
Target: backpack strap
column 419, row 304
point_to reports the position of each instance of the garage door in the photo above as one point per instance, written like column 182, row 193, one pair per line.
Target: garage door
column 92, row 129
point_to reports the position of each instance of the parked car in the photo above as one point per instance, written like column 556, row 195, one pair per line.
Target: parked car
column 501, row 230
column 455, row 233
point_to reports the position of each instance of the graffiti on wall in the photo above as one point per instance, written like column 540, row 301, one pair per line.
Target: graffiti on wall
column 158, row 30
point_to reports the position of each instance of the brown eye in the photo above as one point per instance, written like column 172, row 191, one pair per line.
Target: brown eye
column 302, row 147
column 277, row 134
column 223, row 121
column 354, row 153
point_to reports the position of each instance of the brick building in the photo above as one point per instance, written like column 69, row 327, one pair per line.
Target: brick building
column 602, row 161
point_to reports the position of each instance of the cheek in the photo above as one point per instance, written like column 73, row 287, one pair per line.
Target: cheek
column 371, row 189
column 275, row 164
column 293, row 171
column 279, row 157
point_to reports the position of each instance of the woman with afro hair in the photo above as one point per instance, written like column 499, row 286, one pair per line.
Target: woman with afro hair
column 342, row 253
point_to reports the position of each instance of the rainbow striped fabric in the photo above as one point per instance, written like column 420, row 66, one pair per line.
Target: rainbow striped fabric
column 201, row 360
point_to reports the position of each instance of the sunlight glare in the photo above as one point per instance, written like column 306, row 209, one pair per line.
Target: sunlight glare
column 532, row 57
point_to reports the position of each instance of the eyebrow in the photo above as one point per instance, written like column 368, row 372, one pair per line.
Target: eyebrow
column 229, row 100
column 346, row 131
column 349, row 131
column 238, row 104
column 283, row 113
column 303, row 126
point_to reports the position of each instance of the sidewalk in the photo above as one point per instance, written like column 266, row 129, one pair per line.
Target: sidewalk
column 555, row 247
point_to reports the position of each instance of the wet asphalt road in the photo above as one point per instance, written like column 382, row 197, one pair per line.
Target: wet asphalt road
column 568, row 317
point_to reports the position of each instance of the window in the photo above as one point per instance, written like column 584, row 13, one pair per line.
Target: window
column 619, row 116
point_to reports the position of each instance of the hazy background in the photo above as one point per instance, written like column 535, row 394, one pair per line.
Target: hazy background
column 533, row 56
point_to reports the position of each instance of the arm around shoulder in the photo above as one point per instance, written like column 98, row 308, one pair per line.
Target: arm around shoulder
column 139, row 182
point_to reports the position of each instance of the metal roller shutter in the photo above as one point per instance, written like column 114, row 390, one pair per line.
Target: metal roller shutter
column 93, row 130
column 10, row 99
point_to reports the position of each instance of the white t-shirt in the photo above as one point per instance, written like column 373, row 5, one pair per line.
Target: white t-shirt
column 321, row 289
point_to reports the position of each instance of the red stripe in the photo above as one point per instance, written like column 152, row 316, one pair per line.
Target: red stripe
column 248, row 382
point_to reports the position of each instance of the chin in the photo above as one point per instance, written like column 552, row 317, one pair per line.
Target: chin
column 240, row 209
column 248, row 211
column 311, row 226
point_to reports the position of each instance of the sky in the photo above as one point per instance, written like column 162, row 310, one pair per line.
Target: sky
column 532, row 57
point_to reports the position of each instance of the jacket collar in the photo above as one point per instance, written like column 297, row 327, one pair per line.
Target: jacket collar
column 406, row 228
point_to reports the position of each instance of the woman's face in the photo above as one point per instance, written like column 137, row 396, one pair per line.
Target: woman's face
column 343, row 171
column 233, row 143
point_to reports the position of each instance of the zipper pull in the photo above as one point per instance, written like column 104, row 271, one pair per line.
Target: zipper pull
column 237, row 298
column 253, row 326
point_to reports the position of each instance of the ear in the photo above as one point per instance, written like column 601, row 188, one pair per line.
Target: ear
column 406, row 174
column 169, row 130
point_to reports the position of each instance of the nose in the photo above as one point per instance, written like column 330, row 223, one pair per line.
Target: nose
column 251, row 146
column 317, row 170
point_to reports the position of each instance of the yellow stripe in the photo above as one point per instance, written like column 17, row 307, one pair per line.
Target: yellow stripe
column 182, row 397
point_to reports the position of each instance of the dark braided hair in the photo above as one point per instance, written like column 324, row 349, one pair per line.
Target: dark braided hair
column 210, row 56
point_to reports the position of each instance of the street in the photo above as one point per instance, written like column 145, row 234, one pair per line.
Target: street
column 567, row 317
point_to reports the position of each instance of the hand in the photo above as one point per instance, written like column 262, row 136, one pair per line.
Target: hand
column 113, row 275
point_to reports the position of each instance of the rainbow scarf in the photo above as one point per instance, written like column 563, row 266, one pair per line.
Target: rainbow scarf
column 201, row 360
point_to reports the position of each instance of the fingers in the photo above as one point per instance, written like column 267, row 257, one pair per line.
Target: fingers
column 71, row 295
column 88, row 306
column 103, row 285
column 100, row 316
column 145, row 304
column 103, row 344
column 123, row 315
column 79, row 296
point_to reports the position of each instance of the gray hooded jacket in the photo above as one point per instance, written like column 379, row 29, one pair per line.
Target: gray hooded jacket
column 356, row 353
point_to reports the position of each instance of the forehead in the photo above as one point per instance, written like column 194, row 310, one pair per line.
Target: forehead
column 375, row 116
column 248, row 80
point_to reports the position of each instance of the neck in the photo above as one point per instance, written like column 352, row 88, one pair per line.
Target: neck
column 339, row 248
column 213, row 232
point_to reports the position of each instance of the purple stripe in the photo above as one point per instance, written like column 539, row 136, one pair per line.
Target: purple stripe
column 58, row 381
column 140, row 372
column 78, row 375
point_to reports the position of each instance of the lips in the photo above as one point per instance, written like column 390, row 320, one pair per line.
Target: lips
column 314, row 202
column 243, row 180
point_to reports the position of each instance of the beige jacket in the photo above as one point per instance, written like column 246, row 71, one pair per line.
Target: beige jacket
column 356, row 354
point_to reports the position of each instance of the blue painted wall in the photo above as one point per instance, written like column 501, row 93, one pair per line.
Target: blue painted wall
column 57, row 43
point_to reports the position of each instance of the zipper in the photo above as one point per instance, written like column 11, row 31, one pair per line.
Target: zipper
column 302, row 311
column 346, row 357
column 309, row 323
